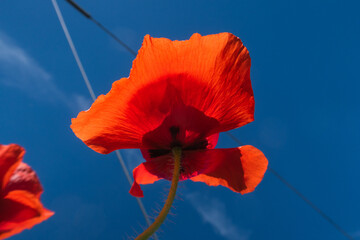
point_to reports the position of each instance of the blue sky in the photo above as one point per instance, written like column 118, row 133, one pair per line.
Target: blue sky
column 306, row 81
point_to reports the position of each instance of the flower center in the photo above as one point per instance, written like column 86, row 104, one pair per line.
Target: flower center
column 200, row 143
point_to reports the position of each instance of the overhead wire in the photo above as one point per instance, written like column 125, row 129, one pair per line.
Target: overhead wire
column 102, row 27
column 88, row 16
column 92, row 94
column 275, row 173
column 302, row 196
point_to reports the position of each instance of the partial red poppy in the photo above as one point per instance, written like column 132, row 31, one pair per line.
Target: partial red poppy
column 20, row 191
column 180, row 94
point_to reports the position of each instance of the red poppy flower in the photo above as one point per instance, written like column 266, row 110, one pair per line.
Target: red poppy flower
column 180, row 94
column 20, row 191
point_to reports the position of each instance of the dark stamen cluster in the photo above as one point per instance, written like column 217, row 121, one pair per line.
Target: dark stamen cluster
column 174, row 131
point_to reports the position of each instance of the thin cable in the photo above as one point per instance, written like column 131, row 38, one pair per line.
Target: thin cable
column 312, row 205
column 297, row 192
column 275, row 173
column 88, row 16
column 88, row 84
column 76, row 56
column 128, row 177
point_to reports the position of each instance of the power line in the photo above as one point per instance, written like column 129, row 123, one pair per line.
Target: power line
column 90, row 89
column 88, row 16
column 302, row 196
column 312, row 205
column 76, row 56
column 275, row 173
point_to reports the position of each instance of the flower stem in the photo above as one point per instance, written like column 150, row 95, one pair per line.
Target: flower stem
column 176, row 151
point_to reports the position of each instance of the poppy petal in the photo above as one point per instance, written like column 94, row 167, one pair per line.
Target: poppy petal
column 104, row 127
column 162, row 167
column 212, row 141
column 184, row 126
column 20, row 210
column 10, row 157
column 141, row 176
column 240, row 169
column 24, row 178
column 210, row 74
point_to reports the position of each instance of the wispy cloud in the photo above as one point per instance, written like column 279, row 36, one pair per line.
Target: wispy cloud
column 213, row 212
column 20, row 71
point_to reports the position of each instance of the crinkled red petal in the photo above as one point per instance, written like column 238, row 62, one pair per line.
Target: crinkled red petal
column 210, row 74
column 20, row 210
column 10, row 157
column 20, row 206
column 24, row 178
column 240, row 169
column 163, row 168
column 186, row 127
column 141, row 176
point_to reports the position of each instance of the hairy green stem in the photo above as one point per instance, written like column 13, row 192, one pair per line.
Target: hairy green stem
column 165, row 210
